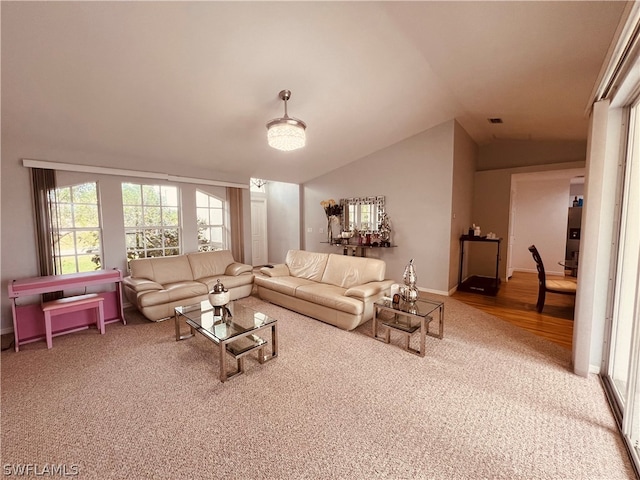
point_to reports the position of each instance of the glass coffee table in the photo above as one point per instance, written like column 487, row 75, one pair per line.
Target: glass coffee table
column 407, row 318
column 233, row 329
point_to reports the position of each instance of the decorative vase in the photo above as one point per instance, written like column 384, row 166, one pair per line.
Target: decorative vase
column 410, row 292
column 333, row 229
column 219, row 296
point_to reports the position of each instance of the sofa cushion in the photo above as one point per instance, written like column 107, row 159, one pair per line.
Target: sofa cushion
column 286, row 285
column 162, row 270
column 209, row 264
column 309, row 265
column 238, row 269
column 278, row 270
column 330, row 296
column 345, row 271
column 172, row 292
column 141, row 284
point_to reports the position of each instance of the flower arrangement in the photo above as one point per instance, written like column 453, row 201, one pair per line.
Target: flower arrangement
column 331, row 208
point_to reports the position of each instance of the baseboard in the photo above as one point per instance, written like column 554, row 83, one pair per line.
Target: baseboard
column 595, row 369
column 525, row 270
column 555, row 273
column 435, row 292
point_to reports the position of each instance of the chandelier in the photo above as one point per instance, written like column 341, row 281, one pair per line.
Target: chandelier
column 258, row 182
column 286, row 133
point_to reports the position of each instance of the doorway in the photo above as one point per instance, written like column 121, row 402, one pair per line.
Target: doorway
column 538, row 214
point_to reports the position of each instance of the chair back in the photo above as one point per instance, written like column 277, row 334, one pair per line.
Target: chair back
column 539, row 264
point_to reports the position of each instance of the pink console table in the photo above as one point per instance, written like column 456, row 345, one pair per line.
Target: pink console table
column 28, row 319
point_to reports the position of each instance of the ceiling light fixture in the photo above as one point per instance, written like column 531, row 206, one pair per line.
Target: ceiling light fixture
column 258, row 182
column 286, row 133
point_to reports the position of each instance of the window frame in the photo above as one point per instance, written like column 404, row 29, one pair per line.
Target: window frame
column 223, row 226
column 142, row 229
column 62, row 260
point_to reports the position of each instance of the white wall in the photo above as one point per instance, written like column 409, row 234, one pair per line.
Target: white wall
column 416, row 177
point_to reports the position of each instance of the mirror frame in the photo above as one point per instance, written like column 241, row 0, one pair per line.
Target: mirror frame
column 377, row 205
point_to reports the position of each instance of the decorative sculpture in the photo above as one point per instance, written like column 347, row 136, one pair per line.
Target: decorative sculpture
column 218, row 297
column 384, row 231
column 409, row 291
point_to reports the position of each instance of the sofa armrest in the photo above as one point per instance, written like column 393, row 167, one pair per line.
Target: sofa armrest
column 279, row 270
column 141, row 284
column 236, row 269
column 369, row 289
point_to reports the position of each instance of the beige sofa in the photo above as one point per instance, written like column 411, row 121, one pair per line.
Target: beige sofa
column 157, row 285
column 336, row 289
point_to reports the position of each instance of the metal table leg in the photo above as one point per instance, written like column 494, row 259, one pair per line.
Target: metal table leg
column 176, row 318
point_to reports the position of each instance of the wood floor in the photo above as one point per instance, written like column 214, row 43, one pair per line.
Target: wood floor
column 516, row 303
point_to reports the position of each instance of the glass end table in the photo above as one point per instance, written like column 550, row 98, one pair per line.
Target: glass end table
column 407, row 318
column 233, row 328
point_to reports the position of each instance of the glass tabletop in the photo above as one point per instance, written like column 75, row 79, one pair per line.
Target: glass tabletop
column 213, row 323
column 420, row 308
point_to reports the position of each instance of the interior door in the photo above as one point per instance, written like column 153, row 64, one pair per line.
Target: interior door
column 259, row 230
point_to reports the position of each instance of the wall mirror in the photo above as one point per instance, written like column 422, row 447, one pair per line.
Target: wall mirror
column 362, row 213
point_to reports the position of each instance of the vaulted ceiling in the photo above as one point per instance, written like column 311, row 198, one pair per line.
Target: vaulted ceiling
column 193, row 83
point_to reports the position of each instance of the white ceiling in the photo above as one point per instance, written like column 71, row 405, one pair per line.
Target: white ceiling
column 195, row 82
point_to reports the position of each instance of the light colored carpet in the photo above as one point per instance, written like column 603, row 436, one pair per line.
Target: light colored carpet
column 487, row 401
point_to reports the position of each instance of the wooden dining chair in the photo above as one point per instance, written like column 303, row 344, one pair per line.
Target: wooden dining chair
column 562, row 286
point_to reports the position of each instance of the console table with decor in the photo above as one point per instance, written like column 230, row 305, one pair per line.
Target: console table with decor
column 358, row 250
column 477, row 283
column 28, row 319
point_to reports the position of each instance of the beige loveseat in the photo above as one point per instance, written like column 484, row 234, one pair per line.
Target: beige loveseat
column 157, row 285
column 336, row 289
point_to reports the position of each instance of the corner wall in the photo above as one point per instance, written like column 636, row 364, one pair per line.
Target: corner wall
column 465, row 152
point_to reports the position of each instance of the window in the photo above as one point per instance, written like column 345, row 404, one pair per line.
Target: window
column 151, row 220
column 211, row 228
column 78, row 235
